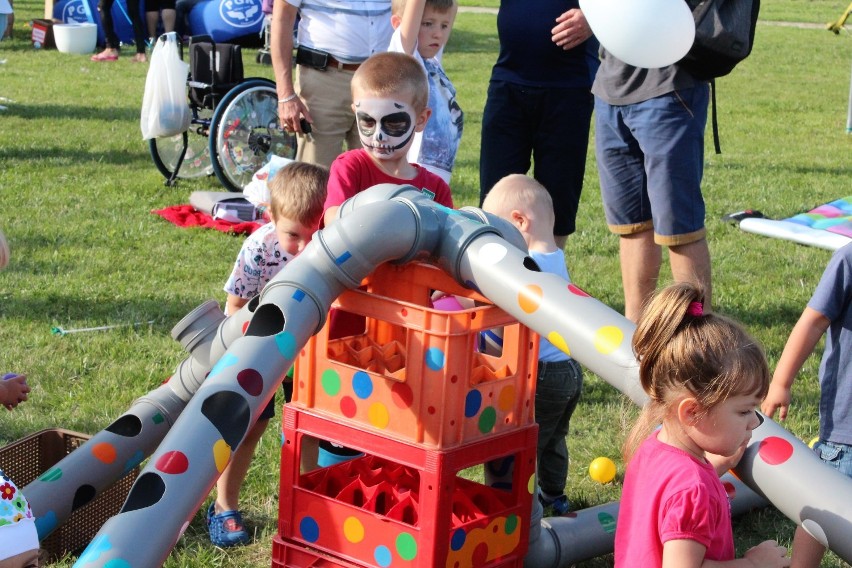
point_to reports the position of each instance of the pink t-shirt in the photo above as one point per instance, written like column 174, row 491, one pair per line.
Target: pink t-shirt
column 670, row 495
column 354, row 171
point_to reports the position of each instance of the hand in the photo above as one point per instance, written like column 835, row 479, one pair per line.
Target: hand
column 768, row 554
column 290, row 113
column 778, row 398
column 13, row 390
column 723, row 463
column 571, row 29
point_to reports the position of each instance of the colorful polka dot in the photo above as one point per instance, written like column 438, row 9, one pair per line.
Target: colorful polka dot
column 577, row 291
column 382, row 556
column 362, row 385
column 529, row 298
column 506, row 398
column 286, row 343
column 531, row 484
column 330, row 382
column 480, row 555
column 406, row 546
column 221, row 454
column 511, row 523
column 402, row 395
column 309, row 529
column 608, row 339
column 457, row 539
column 774, row 450
column 434, row 358
column 472, row 403
column 348, row 408
column 378, row 415
column 173, row 463
column 558, row 341
column 607, row 522
column 487, row 419
column 226, row 360
column 353, row 530
column 117, row 563
column 492, row 253
column 250, row 381
column 104, row 452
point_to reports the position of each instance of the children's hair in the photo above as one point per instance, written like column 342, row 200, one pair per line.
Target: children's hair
column 520, row 192
column 297, row 192
column 440, row 6
column 393, row 75
column 684, row 351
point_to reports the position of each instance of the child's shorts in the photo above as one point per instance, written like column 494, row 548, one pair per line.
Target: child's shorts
column 269, row 412
column 838, row 456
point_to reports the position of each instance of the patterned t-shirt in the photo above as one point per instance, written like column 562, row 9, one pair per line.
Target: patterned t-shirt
column 259, row 260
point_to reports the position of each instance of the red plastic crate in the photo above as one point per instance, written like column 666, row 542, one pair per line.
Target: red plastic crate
column 414, row 373
column 402, row 504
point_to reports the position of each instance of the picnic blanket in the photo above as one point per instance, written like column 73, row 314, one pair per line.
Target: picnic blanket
column 189, row 216
column 828, row 226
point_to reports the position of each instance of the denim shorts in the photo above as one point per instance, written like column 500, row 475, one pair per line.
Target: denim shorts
column 838, row 456
column 651, row 160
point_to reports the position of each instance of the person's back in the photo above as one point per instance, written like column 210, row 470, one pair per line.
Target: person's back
column 389, row 99
column 19, row 547
column 422, row 30
column 525, row 203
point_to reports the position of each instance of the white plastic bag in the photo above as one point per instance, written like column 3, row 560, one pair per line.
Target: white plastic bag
column 165, row 110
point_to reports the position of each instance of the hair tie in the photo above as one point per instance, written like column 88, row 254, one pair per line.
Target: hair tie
column 695, row 309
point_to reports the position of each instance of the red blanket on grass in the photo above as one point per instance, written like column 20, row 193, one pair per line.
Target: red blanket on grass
column 189, row 216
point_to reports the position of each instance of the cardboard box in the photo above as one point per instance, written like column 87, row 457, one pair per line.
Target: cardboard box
column 42, row 34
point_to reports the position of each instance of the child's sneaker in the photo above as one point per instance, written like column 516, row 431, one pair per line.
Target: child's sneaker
column 555, row 507
column 226, row 529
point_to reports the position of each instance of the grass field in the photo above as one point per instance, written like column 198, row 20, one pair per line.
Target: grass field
column 77, row 186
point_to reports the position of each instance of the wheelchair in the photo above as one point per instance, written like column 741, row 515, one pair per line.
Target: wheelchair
column 234, row 129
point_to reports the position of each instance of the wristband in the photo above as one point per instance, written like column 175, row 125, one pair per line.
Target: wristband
column 288, row 98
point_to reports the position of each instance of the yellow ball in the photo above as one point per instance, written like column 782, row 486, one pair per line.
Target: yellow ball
column 812, row 442
column 602, row 470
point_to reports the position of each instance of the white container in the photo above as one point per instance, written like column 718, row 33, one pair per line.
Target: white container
column 75, row 38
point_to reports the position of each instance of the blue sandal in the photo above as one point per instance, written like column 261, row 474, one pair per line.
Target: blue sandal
column 226, row 529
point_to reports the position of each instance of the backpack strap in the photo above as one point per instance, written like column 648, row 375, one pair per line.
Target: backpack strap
column 713, row 118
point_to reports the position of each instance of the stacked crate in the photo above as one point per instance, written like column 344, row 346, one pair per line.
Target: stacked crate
column 413, row 390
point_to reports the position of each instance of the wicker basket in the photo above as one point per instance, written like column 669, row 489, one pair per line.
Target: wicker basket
column 26, row 459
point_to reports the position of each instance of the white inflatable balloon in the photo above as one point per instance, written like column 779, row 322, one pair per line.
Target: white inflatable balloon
column 642, row 33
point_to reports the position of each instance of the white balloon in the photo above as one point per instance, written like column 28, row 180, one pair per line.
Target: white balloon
column 642, row 33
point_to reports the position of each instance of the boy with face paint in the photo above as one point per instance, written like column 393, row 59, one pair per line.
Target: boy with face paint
column 390, row 97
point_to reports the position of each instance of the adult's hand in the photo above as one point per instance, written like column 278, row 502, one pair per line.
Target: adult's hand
column 571, row 29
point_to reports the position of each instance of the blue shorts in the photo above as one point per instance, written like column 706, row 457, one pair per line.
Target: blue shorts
column 650, row 158
column 838, row 456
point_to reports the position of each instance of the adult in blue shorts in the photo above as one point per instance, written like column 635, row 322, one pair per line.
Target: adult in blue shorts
column 539, row 105
column 649, row 144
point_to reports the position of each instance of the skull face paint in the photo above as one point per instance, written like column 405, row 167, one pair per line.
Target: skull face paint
column 385, row 126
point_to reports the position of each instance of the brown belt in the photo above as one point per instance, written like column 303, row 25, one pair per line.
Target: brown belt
column 332, row 62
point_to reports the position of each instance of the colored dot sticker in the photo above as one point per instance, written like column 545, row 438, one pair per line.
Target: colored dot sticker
column 402, row 395
column 531, row 484
column 309, row 529
column 221, row 454
column 173, row 463
column 378, row 415
column 774, row 450
column 226, row 360
column 362, row 385
column 251, row 381
column 577, row 291
column 472, row 403
column 406, row 546
column 434, row 358
column 511, row 523
column 492, row 253
column 608, row 339
column 348, row 408
column 382, row 556
column 353, row 530
column 607, row 522
column 457, row 540
column 558, row 341
column 117, row 563
column 286, row 343
column 330, row 382
column 529, row 298
column 487, row 419
column 506, row 398
column 104, row 452
column 730, row 489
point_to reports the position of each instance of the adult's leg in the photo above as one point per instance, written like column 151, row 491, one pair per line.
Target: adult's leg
column 640, row 260
column 559, row 152
column 507, row 133
column 328, row 97
column 110, row 52
column 169, row 15
column 138, row 30
column 691, row 263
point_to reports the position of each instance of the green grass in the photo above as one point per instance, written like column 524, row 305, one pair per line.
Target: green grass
column 77, row 187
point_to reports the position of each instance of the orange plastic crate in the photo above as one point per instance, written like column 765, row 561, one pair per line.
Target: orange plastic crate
column 404, row 505
column 415, row 372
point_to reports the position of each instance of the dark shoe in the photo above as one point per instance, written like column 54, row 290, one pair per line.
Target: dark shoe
column 226, row 529
column 557, row 507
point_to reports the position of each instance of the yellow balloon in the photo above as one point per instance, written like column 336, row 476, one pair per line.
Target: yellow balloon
column 602, row 470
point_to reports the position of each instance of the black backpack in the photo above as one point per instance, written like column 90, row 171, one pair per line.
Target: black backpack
column 724, row 36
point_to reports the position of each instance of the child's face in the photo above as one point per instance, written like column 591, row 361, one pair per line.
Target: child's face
column 727, row 426
column 435, row 28
column 293, row 237
column 386, row 126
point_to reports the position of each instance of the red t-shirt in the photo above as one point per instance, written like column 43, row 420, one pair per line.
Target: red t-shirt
column 354, row 171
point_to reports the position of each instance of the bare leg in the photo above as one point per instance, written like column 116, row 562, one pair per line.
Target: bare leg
column 231, row 481
column 169, row 19
column 560, row 240
column 640, row 258
column 807, row 552
column 152, row 18
column 691, row 263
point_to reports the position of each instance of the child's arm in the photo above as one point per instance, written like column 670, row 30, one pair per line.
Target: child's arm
column 409, row 28
column 801, row 343
column 234, row 304
column 690, row 554
column 13, row 390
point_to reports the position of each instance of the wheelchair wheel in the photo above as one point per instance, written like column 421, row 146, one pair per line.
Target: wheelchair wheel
column 196, row 163
column 244, row 133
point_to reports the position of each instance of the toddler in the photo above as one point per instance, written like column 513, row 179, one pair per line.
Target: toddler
column 19, row 546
